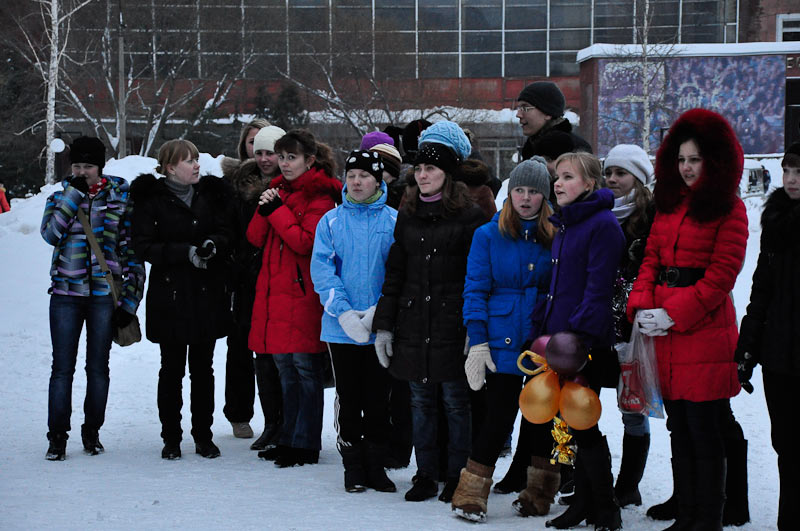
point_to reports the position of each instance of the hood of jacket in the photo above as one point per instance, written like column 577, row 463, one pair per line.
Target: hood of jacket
column 578, row 211
column 244, row 177
column 379, row 203
column 714, row 193
column 312, row 183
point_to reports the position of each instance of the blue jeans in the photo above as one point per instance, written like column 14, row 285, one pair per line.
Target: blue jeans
column 302, row 387
column 67, row 315
column 424, row 415
column 636, row 424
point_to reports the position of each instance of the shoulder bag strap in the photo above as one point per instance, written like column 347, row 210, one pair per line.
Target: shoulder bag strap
column 101, row 259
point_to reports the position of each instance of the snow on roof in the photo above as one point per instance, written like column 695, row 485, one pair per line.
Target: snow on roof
column 689, row 50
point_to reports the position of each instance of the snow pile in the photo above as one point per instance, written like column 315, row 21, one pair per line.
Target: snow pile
column 131, row 487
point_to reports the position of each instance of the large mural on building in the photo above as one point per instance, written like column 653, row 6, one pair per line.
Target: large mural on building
column 749, row 91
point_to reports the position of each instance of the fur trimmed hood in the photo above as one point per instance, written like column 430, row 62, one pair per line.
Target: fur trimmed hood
column 312, row 183
column 473, row 172
column 244, row 177
column 148, row 185
column 715, row 192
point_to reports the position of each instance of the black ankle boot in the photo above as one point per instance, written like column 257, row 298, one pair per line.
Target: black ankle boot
column 206, row 449
column 631, row 470
column 267, row 438
column 57, row 449
column 375, row 457
column 91, row 441
column 355, row 475
column 171, row 450
column 423, row 489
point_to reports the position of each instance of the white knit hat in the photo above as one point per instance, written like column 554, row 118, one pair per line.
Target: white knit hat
column 632, row 159
column 266, row 137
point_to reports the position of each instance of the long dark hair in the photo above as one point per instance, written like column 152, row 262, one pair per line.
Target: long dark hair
column 641, row 218
column 303, row 142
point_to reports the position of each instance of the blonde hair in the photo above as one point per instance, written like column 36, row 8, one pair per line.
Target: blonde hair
column 258, row 123
column 174, row 151
column 588, row 164
column 510, row 226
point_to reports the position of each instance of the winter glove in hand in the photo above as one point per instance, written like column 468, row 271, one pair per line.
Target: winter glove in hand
column 744, row 370
column 207, row 250
column 79, row 183
column 383, row 347
column 478, row 360
column 654, row 322
column 268, row 208
column 197, row 261
column 352, row 326
column 367, row 316
column 121, row 318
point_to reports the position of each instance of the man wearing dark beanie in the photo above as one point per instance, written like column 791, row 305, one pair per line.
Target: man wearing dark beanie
column 540, row 110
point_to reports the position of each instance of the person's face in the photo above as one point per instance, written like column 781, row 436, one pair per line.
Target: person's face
column 90, row 171
column 619, row 181
column 530, row 118
column 388, row 178
column 361, row 184
column 186, row 171
column 690, row 163
column 248, row 141
column 430, row 178
column 791, row 181
column 526, row 201
column 569, row 183
column 267, row 162
column 293, row 165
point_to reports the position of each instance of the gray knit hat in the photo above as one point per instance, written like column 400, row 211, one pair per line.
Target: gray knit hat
column 532, row 172
column 632, row 159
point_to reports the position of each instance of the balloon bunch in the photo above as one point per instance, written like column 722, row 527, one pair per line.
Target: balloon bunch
column 558, row 385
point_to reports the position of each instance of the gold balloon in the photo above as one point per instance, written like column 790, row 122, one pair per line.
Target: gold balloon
column 538, row 400
column 580, row 406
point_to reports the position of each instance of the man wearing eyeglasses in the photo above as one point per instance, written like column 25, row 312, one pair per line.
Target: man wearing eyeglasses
column 540, row 110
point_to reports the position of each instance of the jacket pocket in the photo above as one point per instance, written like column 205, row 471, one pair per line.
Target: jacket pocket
column 502, row 329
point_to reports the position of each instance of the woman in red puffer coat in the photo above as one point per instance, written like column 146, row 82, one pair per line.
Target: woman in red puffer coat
column 287, row 314
column 682, row 298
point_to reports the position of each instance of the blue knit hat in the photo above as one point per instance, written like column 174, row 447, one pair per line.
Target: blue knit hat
column 449, row 134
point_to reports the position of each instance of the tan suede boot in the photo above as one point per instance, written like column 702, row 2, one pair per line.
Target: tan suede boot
column 543, row 480
column 471, row 495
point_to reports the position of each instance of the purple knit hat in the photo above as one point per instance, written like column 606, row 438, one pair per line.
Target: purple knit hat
column 374, row 138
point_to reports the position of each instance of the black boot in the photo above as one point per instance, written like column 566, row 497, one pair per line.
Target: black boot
column 449, row 489
column 57, row 449
column 206, row 448
column 269, row 395
column 423, row 489
column 684, row 496
column 516, row 478
column 631, row 470
column 710, row 493
column 355, row 475
column 267, row 438
column 737, row 508
column 667, row 510
column 597, row 463
column 580, row 506
column 375, row 457
column 171, row 450
column 91, row 441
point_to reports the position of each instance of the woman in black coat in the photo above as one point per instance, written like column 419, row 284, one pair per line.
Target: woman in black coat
column 769, row 331
column 420, row 331
column 180, row 226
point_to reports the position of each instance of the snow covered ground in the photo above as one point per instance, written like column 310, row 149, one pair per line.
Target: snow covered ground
column 131, row 487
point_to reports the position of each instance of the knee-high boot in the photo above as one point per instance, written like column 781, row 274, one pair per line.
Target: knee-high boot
column 737, row 508
column 710, row 493
column 683, row 478
column 631, row 470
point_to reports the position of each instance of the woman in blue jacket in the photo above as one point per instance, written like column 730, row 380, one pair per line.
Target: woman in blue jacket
column 508, row 272
column 347, row 268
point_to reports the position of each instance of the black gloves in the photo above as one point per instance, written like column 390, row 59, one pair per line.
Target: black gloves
column 744, row 371
column 268, row 208
column 121, row 318
column 79, row 183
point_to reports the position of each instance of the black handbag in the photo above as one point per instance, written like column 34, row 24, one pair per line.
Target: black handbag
column 123, row 335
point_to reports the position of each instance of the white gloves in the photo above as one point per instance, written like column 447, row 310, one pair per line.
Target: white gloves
column 366, row 317
column 383, row 347
column 478, row 360
column 350, row 321
column 654, row 322
column 197, row 261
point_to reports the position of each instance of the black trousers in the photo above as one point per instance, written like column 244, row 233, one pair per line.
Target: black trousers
column 240, row 390
column 502, row 405
column 363, row 387
column 696, row 428
column 400, row 439
column 782, row 407
column 170, row 389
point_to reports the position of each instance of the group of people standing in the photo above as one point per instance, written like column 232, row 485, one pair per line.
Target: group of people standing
column 421, row 297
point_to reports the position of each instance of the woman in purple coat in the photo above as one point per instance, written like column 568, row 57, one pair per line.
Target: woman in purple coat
column 586, row 252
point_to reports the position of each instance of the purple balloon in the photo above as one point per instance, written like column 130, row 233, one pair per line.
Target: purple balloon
column 566, row 353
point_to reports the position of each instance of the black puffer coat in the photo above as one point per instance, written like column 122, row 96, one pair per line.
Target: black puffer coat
column 770, row 330
column 423, row 289
column 184, row 304
column 534, row 144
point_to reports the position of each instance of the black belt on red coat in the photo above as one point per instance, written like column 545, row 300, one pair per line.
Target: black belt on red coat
column 680, row 277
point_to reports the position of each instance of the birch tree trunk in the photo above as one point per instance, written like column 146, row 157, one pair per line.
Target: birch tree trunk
column 52, row 83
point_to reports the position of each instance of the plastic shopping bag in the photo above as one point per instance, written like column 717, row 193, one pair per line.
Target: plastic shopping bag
column 638, row 390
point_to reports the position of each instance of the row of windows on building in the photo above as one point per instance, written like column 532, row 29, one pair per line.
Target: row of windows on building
column 395, row 38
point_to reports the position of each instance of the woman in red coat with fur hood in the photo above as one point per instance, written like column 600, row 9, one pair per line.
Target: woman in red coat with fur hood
column 682, row 298
column 287, row 314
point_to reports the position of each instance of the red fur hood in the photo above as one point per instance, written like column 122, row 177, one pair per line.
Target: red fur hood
column 715, row 192
column 313, row 183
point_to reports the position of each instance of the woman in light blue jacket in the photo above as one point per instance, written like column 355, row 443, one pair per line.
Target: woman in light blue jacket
column 508, row 273
column 347, row 268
